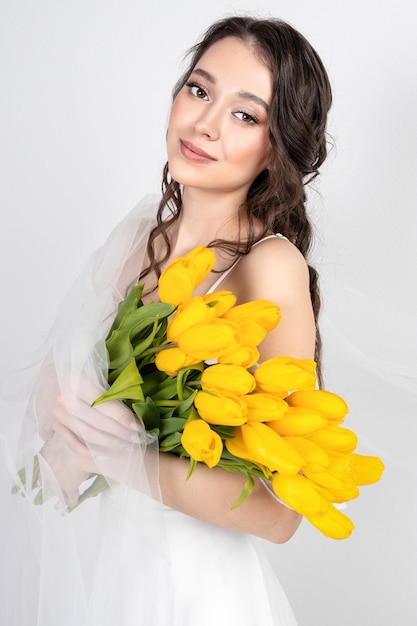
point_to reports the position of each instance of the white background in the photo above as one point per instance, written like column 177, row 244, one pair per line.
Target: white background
column 85, row 93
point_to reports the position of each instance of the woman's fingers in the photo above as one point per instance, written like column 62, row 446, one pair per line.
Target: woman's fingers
column 68, row 467
column 113, row 428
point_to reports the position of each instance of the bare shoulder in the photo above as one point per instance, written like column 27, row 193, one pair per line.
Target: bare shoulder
column 274, row 268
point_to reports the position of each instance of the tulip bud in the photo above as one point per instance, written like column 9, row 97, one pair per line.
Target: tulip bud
column 312, row 454
column 263, row 312
column 264, row 408
column 332, row 406
column 332, row 523
column 171, row 360
column 220, row 301
column 245, row 356
column 299, row 421
column 335, row 438
column 201, row 442
column 251, row 332
column 225, row 409
column 263, row 446
column 210, row 340
column 281, row 374
column 178, row 281
column 202, row 260
column 299, row 493
column 230, row 378
column 366, row 469
column 195, row 311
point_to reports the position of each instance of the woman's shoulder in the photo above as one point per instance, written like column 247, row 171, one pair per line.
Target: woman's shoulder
column 275, row 253
column 274, row 266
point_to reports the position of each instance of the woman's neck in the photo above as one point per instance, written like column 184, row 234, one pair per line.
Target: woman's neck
column 206, row 216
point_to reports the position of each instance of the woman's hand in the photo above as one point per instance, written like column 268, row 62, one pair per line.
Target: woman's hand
column 85, row 440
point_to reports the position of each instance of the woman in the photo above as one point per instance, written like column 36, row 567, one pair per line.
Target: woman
column 246, row 132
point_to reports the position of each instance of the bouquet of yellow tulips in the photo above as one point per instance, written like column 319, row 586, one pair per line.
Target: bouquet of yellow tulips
column 187, row 367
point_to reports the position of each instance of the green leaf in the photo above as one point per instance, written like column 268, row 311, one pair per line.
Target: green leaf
column 130, row 303
column 119, row 349
column 151, row 380
column 148, row 414
column 170, row 442
column 225, row 432
column 99, row 485
column 143, row 345
column 167, row 390
column 185, row 405
column 171, row 425
column 193, row 464
column 142, row 318
column 122, row 341
column 127, row 386
column 249, row 485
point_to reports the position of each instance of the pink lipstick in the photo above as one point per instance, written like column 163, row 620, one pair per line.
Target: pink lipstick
column 193, row 153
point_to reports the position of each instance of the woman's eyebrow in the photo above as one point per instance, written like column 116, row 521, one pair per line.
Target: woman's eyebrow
column 242, row 94
column 256, row 99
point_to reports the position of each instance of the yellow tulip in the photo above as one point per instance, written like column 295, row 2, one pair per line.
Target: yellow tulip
column 299, row 421
column 220, row 301
column 178, row 281
column 282, row 374
column 245, row 356
column 231, row 378
column 366, row 469
column 263, row 446
column 324, row 478
column 225, row 409
column 195, row 311
column 339, row 461
column 201, row 442
column 314, row 456
column 338, row 496
column 210, row 340
column 203, row 260
column 328, row 403
column 335, row 438
column 264, row 312
column 332, row 523
column 336, row 480
column 171, row 360
column 299, row 493
column 264, row 408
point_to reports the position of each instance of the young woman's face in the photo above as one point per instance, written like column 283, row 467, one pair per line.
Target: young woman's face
column 218, row 135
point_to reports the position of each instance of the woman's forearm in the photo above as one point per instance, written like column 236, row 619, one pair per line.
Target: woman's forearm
column 209, row 495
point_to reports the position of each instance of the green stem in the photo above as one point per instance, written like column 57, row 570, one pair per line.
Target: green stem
column 163, row 346
column 167, row 402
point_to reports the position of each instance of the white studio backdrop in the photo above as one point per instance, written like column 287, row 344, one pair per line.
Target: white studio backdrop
column 85, row 94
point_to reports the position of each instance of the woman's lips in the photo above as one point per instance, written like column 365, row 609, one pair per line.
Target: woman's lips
column 192, row 153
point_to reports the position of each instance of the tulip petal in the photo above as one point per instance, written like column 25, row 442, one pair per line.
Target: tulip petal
column 282, row 374
column 230, row 378
column 201, row 442
column 299, row 493
column 366, row 469
column 332, row 405
column 332, row 523
column 299, row 421
column 223, row 409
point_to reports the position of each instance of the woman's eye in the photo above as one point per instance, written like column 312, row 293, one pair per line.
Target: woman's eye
column 197, row 91
column 246, row 117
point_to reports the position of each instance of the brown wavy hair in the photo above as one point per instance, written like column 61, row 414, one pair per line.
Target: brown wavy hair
column 301, row 99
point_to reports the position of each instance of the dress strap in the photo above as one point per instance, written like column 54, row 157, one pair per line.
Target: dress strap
column 232, row 267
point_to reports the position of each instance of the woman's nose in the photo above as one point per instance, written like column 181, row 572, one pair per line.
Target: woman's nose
column 208, row 124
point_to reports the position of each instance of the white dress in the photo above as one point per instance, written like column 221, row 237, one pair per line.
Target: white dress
column 124, row 558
